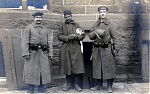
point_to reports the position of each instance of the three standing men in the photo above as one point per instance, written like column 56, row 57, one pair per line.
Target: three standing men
column 37, row 46
column 36, row 49
column 104, row 51
column 71, row 57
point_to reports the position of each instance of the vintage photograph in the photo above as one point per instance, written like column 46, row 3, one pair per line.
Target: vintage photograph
column 74, row 46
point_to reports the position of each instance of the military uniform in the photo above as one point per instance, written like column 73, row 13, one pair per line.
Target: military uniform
column 104, row 36
column 71, row 57
column 37, row 44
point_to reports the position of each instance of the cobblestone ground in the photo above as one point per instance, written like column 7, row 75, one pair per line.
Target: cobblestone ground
column 118, row 88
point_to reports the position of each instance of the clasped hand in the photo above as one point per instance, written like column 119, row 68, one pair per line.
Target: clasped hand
column 72, row 36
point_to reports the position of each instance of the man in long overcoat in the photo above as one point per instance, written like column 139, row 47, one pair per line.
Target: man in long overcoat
column 104, row 36
column 36, row 49
column 71, row 57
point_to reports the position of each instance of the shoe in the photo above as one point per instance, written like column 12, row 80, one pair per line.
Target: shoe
column 97, row 87
column 41, row 89
column 77, row 88
column 31, row 89
column 30, row 92
column 109, row 88
column 67, row 87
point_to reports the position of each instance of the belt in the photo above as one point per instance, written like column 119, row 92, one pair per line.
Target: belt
column 102, row 45
column 38, row 46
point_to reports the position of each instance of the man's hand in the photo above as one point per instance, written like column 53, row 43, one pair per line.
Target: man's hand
column 27, row 57
column 115, row 52
column 72, row 36
column 50, row 57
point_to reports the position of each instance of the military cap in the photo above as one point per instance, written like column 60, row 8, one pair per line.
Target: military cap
column 102, row 8
column 37, row 14
column 67, row 12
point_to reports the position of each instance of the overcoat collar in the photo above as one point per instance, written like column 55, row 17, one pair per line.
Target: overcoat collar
column 106, row 21
column 37, row 25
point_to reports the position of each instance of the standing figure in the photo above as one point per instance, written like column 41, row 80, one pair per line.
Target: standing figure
column 104, row 36
column 71, row 57
column 37, row 50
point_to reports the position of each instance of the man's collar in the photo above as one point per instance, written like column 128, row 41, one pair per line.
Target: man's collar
column 106, row 21
column 37, row 25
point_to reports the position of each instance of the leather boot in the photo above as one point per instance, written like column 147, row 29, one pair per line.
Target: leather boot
column 68, row 86
column 41, row 89
column 109, row 85
column 31, row 89
column 77, row 81
column 109, row 88
column 77, row 88
column 98, row 85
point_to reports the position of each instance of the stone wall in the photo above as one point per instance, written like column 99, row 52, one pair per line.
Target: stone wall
column 122, row 12
column 132, row 20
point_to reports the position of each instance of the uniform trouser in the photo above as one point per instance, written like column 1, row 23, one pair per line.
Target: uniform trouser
column 109, row 82
column 73, row 78
column 41, row 86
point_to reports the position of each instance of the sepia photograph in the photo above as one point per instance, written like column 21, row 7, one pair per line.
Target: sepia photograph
column 74, row 46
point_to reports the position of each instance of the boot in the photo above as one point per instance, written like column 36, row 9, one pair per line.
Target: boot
column 77, row 81
column 77, row 88
column 109, row 88
column 68, row 86
column 31, row 89
column 109, row 85
column 98, row 85
column 41, row 89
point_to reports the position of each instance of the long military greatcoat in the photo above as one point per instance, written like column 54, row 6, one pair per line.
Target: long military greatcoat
column 71, row 58
column 38, row 64
column 103, row 60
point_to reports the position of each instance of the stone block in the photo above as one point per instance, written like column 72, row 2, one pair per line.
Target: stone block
column 84, row 17
column 56, row 9
column 86, row 25
column 55, row 61
column 121, row 71
column 133, row 71
column 56, row 45
column 122, row 1
column 122, row 60
column 56, row 2
column 145, row 61
column 91, row 9
column 56, row 52
column 114, row 9
column 75, row 9
column 145, row 34
column 76, row 2
column 132, row 8
column 102, row 2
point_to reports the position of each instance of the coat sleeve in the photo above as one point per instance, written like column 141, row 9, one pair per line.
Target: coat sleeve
column 50, row 42
column 61, row 35
column 25, row 41
column 114, row 34
column 92, row 35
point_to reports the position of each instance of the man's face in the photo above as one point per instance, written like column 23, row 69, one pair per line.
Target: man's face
column 38, row 19
column 68, row 17
column 103, row 14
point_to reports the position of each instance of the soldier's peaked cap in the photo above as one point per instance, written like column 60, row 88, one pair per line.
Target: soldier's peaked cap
column 67, row 12
column 37, row 14
column 102, row 8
